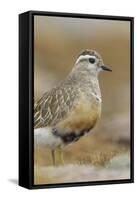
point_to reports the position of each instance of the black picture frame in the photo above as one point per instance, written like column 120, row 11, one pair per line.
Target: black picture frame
column 26, row 98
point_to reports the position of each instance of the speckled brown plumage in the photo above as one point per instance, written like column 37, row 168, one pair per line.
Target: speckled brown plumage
column 54, row 105
column 72, row 108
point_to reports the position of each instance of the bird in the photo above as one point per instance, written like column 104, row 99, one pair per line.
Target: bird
column 71, row 109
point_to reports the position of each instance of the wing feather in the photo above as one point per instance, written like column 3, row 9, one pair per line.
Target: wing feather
column 53, row 106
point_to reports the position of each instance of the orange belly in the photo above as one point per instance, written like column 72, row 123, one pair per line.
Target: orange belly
column 83, row 117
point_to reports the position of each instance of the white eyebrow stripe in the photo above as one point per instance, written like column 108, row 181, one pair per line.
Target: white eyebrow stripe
column 81, row 57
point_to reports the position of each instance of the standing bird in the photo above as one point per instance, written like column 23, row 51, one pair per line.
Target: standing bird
column 72, row 108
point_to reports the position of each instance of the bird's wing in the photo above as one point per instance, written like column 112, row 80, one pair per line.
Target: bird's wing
column 53, row 106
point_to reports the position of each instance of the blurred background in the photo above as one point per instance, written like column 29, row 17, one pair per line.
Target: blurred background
column 103, row 155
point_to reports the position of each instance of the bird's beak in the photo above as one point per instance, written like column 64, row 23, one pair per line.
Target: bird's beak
column 104, row 68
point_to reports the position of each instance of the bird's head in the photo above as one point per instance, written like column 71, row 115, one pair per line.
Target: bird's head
column 91, row 60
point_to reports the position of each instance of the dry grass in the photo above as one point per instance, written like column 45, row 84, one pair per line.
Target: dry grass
column 91, row 155
column 84, row 172
column 89, row 150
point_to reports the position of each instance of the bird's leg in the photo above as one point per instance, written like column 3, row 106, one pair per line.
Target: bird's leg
column 61, row 156
column 53, row 154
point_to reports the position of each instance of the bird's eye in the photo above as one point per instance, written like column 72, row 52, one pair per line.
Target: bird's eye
column 92, row 60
